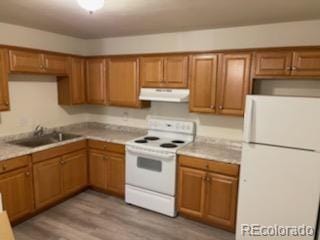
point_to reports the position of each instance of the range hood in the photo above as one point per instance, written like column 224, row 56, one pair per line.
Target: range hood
column 164, row 95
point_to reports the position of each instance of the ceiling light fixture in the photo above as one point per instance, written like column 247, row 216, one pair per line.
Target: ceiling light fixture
column 91, row 5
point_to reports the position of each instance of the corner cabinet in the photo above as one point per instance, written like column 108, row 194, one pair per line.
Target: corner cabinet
column 164, row 71
column 208, row 191
column 123, row 82
column 4, row 71
column 96, row 81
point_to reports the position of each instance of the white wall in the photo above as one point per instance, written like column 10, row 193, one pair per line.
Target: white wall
column 32, row 38
column 41, row 99
column 34, row 101
column 268, row 35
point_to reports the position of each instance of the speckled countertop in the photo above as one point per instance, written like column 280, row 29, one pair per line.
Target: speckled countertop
column 94, row 131
column 207, row 148
column 214, row 149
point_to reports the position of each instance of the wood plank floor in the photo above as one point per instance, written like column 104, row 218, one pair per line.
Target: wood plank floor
column 96, row 216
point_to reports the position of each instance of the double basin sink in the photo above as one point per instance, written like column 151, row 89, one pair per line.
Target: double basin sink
column 38, row 141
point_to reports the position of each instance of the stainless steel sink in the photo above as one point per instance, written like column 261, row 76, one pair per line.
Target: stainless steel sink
column 46, row 139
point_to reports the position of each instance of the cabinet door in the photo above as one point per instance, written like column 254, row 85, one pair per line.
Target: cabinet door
column 151, row 72
column 55, row 64
column 116, row 175
column 306, row 63
column 4, row 92
column 47, row 182
column 96, row 81
column 24, row 61
column 77, row 78
column 234, row 83
column 273, row 63
column 74, row 171
column 204, row 70
column 123, row 82
column 17, row 194
column 191, row 192
column 98, row 168
column 221, row 201
column 176, row 72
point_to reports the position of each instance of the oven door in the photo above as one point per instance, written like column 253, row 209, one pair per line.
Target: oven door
column 151, row 171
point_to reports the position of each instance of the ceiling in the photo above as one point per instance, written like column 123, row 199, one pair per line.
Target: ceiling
column 136, row 17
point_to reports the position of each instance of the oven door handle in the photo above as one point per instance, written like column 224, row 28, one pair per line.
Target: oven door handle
column 160, row 156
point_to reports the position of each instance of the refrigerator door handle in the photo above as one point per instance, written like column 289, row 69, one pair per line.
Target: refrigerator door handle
column 248, row 120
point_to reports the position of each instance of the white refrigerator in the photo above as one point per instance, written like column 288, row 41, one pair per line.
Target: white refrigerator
column 280, row 169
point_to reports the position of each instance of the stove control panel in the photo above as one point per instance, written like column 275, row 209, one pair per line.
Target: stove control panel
column 187, row 127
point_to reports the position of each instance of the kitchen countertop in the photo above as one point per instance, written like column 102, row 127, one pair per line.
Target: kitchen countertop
column 93, row 131
column 214, row 149
column 207, row 148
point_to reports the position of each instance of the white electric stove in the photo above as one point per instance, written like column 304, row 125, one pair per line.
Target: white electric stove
column 151, row 164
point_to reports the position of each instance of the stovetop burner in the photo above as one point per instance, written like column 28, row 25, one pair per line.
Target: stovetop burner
column 151, row 138
column 141, row 141
column 168, row 145
column 178, row 141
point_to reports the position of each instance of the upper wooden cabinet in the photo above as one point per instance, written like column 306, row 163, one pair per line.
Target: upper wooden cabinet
column 219, row 83
column 287, row 63
column 164, row 71
column 72, row 88
column 204, row 69
column 273, row 63
column 123, row 82
column 4, row 91
column 36, row 62
column 233, row 83
column 96, row 81
column 306, row 63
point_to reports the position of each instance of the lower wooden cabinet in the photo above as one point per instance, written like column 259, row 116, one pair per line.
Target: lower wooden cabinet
column 17, row 193
column 207, row 191
column 58, row 177
column 107, row 167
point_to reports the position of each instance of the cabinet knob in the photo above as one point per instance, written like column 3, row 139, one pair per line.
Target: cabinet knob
column 288, row 68
column 220, row 107
column 4, row 167
column 28, row 174
column 6, row 102
column 212, row 106
column 294, row 68
column 208, row 179
column 62, row 162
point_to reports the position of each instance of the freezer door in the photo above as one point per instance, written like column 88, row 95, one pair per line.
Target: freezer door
column 278, row 186
column 283, row 121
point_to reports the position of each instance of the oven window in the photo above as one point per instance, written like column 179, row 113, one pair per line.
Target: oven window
column 149, row 164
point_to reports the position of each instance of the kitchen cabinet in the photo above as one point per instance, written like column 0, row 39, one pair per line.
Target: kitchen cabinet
column 233, row 83
column 164, row 71
column 58, row 173
column 4, row 91
column 191, row 191
column 47, row 182
column 72, row 88
column 107, row 167
column 16, row 187
column 287, row 63
column 306, row 63
column 36, row 62
column 123, row 82
column 204, row 70
column 96, row 81
column 207, row 191
column 273, row 63
column 74, row 171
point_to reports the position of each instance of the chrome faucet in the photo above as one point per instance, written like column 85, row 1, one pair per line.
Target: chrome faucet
column 38, row 131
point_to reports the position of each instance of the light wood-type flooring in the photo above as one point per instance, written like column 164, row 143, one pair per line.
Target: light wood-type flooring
column 96, row 216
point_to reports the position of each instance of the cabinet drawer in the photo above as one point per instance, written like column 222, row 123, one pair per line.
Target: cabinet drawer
column 105, row 146
column 58, row 151
column 14, row 163
column 209, row 165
